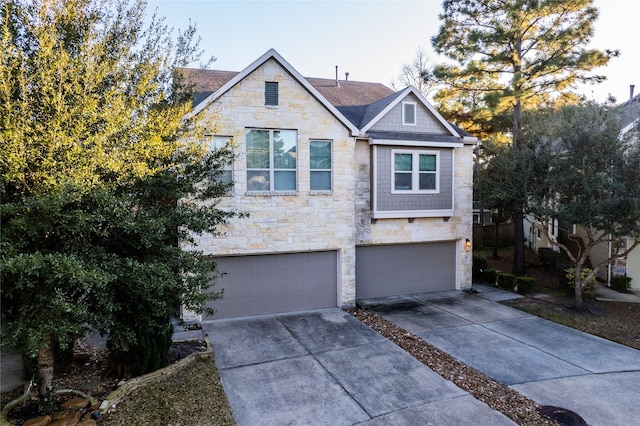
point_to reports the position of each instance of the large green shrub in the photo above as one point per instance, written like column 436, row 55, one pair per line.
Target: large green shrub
column 506, row 281
column 547, row 257
column 480, row 263
column 621, row 283
column 489, row 276
column 525, row 284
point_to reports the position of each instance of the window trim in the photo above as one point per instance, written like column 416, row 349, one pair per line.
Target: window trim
column 272, row 168
column 415, row 110
column 415, row 171
column 330, row 170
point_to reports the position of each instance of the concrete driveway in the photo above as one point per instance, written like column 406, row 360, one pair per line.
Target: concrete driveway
column 325, row 367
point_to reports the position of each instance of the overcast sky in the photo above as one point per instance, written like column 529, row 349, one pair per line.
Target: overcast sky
column 370, row 40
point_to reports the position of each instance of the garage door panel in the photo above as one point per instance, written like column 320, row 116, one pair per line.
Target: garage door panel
column 262, row 284
column 405, row 269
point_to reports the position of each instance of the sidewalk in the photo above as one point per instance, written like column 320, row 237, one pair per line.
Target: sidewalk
column 608, row 294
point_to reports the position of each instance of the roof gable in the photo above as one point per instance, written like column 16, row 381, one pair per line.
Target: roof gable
column 221, row 86
column 404, row 94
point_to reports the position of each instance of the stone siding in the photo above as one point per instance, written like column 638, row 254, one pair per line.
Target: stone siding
column 287, row 222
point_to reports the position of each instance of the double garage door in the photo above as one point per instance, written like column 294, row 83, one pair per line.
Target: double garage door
column 265, row 284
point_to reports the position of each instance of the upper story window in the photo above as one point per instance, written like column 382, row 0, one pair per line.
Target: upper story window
column 271, row 93
column 223, row 142
column 409, row 113
column 415, row 171
column 320, row 165
column 271, row 160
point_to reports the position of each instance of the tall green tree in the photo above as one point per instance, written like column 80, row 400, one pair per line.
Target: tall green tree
column 531, row 46
column 102, row 178
column 591, row 180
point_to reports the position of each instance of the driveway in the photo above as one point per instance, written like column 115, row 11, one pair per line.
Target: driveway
column 325, row 367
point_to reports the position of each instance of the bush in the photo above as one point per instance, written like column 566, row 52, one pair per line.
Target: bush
column 506, row 281
column 588, row 286
column 621, row 283
column 489, row 275
column 479, row 265
column 525, row 284
column 548, row 257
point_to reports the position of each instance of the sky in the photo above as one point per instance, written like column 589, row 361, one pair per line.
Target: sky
column 370, row 39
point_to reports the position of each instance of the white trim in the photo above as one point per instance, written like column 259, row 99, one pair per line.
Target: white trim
column 427, row 144
column 374, row 184
column 330, row 170
column 404, row 214
column 415, row 172
column 415, row 113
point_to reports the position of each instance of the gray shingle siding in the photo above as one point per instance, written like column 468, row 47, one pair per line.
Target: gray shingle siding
column 386, row 201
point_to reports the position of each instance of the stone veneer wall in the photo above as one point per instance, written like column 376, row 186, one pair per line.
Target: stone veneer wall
column 293, row 222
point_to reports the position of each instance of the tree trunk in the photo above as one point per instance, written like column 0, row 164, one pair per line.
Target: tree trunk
column 577, row 283
column 518, row 241
column 496, row 232
column 45, row 375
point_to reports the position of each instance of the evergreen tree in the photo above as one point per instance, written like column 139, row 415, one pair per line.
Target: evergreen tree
column 530, row 47
column 102, row 176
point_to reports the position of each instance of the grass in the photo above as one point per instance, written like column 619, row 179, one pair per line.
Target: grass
column 192, row 396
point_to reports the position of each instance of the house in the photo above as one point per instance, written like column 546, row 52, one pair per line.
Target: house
column 353, row 190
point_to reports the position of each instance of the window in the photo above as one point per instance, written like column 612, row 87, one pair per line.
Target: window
column 409, row 113
column 220, row 142
column 415, row 171
column 271, row 160
column 320, row 158
column 271, row 93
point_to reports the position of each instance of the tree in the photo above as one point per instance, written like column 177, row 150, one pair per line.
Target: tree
column 102, row 176
column 592, row 181
column 418, row 74
column 533, row 47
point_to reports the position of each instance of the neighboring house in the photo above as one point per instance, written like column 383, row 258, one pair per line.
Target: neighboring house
column 353, row 190
column 630, row 266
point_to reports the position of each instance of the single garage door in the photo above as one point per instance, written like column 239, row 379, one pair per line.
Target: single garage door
column 405, row 269
column 265, row 284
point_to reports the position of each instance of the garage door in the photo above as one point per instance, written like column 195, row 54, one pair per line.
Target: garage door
column 405, row 269
column 266, row 284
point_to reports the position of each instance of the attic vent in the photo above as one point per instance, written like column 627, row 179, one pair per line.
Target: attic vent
column 409, row 113
column 271, row 93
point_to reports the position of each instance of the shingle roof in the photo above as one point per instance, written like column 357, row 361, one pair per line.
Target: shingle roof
column 357, row 101
column 354, row 99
